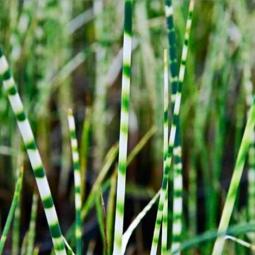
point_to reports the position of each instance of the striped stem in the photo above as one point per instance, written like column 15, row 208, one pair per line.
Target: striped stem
column 157, row 226
column 177, row 173
column 33, row 154
column 173, row 69
column 176, row 101
column 172, row 49
column 16, row 198
column 123, row 139
column 174, row 82
column 235, row 181
column 77, row 182
column 165, row 154
column 163, row 208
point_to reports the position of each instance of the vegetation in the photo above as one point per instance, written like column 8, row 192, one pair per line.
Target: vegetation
column 127, row 127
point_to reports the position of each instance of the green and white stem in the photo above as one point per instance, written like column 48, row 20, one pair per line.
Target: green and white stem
column 174, row 70
column 173, row 147
column 177, row 175
column 173, row 66
column 166, row 169
column 165, row 155
column 174, row 81
column 123, row 139
column 77, row 182
column 235, row 181
column 33, row 154
column 173, row 63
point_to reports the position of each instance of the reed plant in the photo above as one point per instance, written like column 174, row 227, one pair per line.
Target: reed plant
column 156, row 155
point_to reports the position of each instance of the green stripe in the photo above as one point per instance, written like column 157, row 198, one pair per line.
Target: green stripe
column 128, row 14
column 39, row 172
column 21, row 116
column 47, row 202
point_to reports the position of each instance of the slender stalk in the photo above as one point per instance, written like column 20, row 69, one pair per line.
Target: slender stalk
column 84, row 151
column 248, row 86
column 32, row 226
column 174, row 82
column 17, row 222
column 16, row 230
column 198, row 240
column 33, row 154
column 144, row 140
column 123, row 139
column 15, row 200
column 173, row 66
column 101, row 217
column 110, row 211
column 241, row 242
column 77, row 182
column 137, row 220
column 235, row 181
column 110, row 157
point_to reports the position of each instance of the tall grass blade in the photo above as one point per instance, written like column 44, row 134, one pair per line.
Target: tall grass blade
column 15, row 200
column 101, row 216
column 235, row 181
column 32, row 226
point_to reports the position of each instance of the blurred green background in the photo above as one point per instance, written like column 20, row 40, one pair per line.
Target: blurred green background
column 69, row 54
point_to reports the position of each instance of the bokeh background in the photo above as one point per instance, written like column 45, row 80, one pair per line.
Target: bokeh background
column 69, row 54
